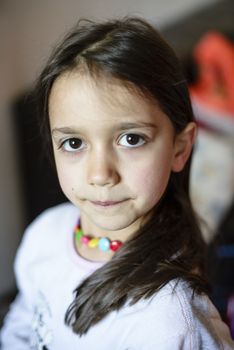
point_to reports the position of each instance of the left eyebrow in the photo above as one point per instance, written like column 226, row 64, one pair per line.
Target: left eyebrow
column 126, row 126
column 64, row 130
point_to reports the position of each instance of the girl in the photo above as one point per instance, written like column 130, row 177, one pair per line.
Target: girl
column 122, row 266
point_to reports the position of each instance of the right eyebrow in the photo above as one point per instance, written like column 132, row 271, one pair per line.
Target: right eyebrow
column 64, row 130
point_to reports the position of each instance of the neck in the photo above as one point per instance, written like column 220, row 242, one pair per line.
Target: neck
column 87, row 230
column 90, row 228
column 93, row 255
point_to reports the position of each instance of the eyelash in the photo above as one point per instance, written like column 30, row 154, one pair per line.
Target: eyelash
column 75, row 139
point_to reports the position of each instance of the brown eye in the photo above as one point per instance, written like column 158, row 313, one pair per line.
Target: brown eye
column 72, row 145
column 132, row 140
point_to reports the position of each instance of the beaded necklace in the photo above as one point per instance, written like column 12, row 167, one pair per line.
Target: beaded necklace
column 102, row 243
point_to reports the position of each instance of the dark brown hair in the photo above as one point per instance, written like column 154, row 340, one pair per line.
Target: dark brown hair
column 169, row 246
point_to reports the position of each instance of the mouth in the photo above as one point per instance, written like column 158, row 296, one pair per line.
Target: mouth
column 107, row 203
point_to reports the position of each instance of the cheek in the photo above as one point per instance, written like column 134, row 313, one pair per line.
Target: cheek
column 150, row 182
column 67, row 178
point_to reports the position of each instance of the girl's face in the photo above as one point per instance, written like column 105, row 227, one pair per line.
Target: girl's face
column 114, row 152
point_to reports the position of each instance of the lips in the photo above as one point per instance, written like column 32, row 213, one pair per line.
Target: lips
column 106, row 203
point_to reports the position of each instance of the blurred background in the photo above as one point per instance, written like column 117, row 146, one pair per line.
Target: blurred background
column 202, row 34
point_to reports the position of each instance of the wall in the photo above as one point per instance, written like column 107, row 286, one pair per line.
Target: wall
column 40, row 23
column 11, row 211
column 28, row 28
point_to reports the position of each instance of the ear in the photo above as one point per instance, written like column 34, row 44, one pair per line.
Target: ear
column 183, row 146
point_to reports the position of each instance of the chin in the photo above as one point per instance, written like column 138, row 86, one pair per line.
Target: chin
column 112, row 224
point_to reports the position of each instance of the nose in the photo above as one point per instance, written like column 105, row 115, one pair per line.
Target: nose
column 102, row 169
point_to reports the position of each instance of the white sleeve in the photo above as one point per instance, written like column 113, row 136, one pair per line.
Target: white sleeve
column 18, row 330
column 179, row 320
column 191, row 342
column 15, row 333
column 179, row 342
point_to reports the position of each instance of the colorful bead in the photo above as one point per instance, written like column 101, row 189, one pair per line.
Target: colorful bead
column 85, row 240
column 93, row 243
column 115, row 245
column 79, row 234
column 104, row 244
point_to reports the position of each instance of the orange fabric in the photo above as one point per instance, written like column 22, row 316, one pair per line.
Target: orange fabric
column 214, row 55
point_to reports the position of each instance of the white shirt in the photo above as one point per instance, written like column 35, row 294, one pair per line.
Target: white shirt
column 48, row 270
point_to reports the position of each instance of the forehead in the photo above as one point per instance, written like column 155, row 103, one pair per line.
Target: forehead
column 74, row 95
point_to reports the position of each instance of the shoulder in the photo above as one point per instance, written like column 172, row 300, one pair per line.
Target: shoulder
column 54, row 216
column 50, row 227
column 166, row 315
column 175, row 317
column 52, row 220
column 170, row 306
